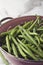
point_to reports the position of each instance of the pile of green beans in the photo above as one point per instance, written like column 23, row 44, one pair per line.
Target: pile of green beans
column 25, row 41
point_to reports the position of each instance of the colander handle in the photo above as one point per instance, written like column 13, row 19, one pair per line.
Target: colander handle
column 4, row 19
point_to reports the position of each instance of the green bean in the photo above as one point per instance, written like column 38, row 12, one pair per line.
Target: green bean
column 14, row 30
column 35, row 50
column 14, row 50
column 9, row 37
column 41, row 35
column 22, row 44
column 34, row 30
column 32, row 33
column 14, row 40
column 30, row 38
column 9, row 31
column 34, row 23
column 3, row 58
column 25, row 37
column 8, row 44
column 41, row 39
column 40, row 28
column 35, row 58
column 29, row 51
column 20, row 36
column 25, row 25
column 38, row 20
column 5, row 33
column 21, row 52
column 24, row 41
column 36, row 37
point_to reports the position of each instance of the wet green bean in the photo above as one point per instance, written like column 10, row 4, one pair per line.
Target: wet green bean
column 8, row 44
